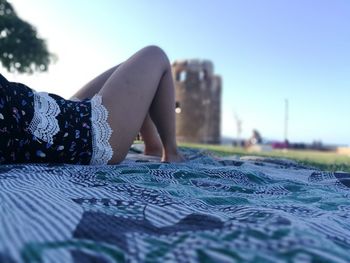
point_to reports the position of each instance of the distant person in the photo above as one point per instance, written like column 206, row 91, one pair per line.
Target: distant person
column 254, row 139
column 98, row 125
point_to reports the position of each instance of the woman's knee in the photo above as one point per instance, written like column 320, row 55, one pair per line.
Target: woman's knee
column 156, row 53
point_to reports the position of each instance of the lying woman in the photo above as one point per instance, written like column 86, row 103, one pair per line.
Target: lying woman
column 99, row 123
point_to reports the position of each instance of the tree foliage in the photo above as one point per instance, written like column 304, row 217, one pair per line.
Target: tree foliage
column 21, row 50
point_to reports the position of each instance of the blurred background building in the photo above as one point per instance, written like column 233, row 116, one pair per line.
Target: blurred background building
column 198, row 101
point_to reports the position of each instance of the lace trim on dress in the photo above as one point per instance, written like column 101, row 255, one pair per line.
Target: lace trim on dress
column 44, row 124
column 101, row 132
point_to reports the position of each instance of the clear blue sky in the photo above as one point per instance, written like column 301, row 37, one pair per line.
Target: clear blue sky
column 265, row 51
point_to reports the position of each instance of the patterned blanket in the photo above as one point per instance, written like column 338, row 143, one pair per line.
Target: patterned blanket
column 206, row 209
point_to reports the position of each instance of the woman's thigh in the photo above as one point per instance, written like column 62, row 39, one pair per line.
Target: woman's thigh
column 128, row 94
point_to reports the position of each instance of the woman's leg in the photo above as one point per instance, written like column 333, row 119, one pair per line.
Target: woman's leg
column 153, row 144
column 141, row 84
column 150, row 136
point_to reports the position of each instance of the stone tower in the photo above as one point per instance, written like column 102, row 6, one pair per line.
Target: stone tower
column 198, row 101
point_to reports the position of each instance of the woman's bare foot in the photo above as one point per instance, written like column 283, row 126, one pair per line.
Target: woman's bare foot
column 175, row 157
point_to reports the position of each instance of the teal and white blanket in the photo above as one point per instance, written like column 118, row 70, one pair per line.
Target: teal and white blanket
column 204, row 210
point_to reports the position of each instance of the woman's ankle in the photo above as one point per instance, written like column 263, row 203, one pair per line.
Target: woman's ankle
column 154, row 147
column 172, row 155
column 153, row 150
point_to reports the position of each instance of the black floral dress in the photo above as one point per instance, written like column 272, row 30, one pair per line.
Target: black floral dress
column 41, row 127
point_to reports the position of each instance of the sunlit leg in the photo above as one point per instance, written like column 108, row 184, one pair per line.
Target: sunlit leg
column 149, row 133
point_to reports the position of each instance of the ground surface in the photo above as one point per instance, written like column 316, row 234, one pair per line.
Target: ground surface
column 324, row 160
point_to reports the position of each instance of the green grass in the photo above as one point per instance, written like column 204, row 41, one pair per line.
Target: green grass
column 324, row 160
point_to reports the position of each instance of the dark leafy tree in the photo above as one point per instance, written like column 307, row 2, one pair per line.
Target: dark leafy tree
column 21, row 50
